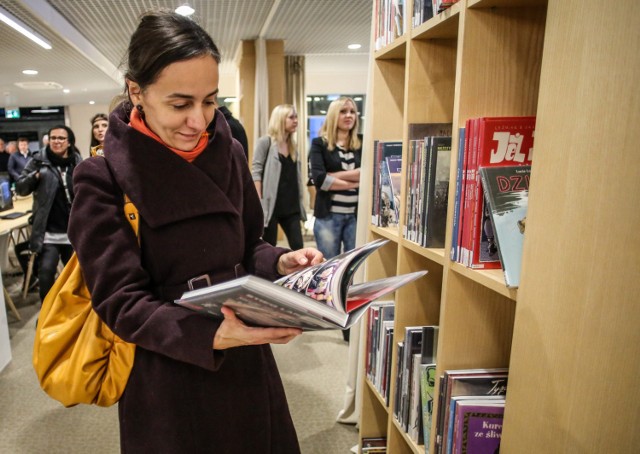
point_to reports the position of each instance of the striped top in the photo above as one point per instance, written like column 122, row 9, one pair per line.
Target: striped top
column 345, row 202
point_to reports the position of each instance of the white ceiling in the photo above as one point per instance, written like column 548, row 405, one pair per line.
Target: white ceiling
column 90, row 37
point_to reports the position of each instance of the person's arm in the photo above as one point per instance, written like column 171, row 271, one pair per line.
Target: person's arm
column 28, row 179
column 260, row 154
column 12, row 167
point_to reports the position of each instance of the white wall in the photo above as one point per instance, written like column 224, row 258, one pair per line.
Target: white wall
column 325, row 75
column 336, row 74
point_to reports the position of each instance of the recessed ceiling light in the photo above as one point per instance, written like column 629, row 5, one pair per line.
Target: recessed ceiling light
column 30, row 72
column 66, row 90
column 354, row 46
column 92, row 102
column 185, row 10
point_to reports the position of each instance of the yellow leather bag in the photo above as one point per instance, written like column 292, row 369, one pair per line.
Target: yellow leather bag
column 77, row 358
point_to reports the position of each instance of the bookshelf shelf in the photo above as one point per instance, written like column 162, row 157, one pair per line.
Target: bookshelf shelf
column 491, row 279
column 377, row 394
column 441, row 26
column 576, row 299
column 394, row 51
column 385, row 232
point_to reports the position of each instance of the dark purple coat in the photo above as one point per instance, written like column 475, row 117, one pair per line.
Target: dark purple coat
column 195, row 218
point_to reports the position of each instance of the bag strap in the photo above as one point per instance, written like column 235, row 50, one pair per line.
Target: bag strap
column 130, row 209
column 131, row 212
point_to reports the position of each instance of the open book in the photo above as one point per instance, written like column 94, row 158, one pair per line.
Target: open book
column 316, row 298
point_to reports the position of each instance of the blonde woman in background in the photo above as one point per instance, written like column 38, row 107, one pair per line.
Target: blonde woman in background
column 277, row 174
column 334, row 160
column 99, row 126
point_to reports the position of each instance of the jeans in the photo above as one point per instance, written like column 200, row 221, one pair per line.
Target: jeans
column 291, row 227
column 334, row 231
column 48, row 264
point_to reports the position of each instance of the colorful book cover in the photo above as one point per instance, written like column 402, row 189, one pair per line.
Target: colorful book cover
column 507, row 191
column 478, row 427
column 502, row 141
column 470, row 382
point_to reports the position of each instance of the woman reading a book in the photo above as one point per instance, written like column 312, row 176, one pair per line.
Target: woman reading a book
column 198, row 384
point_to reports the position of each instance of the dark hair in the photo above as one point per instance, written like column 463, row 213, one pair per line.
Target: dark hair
column 98, row 116
column 163, row 38
column 70, row 134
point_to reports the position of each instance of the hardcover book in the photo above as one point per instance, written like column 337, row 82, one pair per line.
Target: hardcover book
column 316, row 298
column 506, row 190
column 437, row 189
column 478, row 426
column 468, row 382
column 502, row 141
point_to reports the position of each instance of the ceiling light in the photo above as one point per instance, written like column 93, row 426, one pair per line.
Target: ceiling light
column 354, row 46
column 30, row 72
column 185, row 10
column 228, row 100
column 66, row 90
column 44, row 110
column 92, row 102
column 17, row 25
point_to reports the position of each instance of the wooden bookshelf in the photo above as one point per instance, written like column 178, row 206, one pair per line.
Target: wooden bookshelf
column 569, row 334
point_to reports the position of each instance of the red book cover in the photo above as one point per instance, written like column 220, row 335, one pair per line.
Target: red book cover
column 502, row 141
column 467, row 210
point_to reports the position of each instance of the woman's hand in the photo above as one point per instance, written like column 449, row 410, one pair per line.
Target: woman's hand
column 298, row 260
column 234, row 333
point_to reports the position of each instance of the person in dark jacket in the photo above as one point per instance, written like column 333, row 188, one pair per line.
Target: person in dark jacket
column 48, row 175
column 19, row 159
column 334, row 160
column 198, row 384
column 237, row 130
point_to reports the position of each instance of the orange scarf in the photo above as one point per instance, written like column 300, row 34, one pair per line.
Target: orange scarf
column 137, row 123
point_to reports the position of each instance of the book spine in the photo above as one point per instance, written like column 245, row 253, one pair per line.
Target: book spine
column 453, row 253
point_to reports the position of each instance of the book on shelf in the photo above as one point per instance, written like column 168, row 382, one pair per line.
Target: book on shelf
column 372, row 445
column 454, row 251
column 319, row 297
column 394, row 164
column 437, row 192
column 466, row 382
column 383, row 150
column 507, row 190
column 414, row 422
column 389, row 176
column 427, row 377
column 379, row 314
column 420, row 135
column 499, row 141
column 412, row 346
column 477, row 425
column 422, row 11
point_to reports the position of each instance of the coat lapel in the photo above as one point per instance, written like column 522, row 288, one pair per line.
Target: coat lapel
column 164, row 187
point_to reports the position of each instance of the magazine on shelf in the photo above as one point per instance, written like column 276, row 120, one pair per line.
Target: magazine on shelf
column 316, row 298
